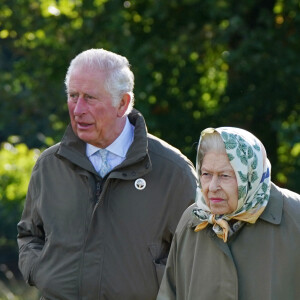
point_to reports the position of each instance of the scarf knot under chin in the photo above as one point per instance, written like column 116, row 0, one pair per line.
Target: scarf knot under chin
column 220, row 226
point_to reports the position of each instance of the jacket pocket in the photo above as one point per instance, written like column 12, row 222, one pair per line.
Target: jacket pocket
column 32, row 275
column 159, row 255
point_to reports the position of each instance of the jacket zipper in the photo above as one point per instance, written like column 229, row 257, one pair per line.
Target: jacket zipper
column 98, row 196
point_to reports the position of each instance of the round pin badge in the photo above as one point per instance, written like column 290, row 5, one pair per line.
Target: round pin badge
column 140, row 184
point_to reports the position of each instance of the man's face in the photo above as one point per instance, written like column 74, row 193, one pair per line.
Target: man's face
column 93, row 117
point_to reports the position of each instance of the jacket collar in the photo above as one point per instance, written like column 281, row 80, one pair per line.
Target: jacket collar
column 73, row 149
column 136, row 164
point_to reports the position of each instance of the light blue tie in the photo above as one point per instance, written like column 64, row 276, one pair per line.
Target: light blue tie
column 105, row 166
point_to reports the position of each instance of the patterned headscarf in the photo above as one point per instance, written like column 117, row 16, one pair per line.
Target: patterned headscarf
column 252, row 168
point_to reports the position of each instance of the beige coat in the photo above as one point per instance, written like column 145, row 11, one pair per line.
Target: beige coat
column 260, row 262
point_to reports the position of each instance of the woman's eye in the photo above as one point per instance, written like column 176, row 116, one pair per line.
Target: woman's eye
column 205, row 174
column 225, row 176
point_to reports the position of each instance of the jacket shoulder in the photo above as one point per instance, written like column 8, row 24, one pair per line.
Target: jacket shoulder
column 186, row 220
column 163, row 149
column 291, row 202
column 48, row 152
column 286, row 194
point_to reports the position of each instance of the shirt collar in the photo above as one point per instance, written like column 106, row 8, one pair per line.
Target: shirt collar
column 120, row 145
column 90, row 149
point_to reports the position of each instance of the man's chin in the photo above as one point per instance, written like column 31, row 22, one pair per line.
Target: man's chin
column 84, row 136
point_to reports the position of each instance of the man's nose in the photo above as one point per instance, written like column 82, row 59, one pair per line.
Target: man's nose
column 81, row 106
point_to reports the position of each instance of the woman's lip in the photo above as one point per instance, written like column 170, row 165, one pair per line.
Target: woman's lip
column 216, row 200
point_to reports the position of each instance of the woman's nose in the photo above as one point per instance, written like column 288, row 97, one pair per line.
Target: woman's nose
column 214, row 183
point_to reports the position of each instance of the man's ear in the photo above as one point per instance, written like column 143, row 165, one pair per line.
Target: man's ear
column 123, row 105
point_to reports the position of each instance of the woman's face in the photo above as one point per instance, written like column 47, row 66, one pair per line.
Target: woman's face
column 219, row 184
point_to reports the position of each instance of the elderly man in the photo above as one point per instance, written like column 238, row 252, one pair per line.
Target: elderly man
column 103, row 204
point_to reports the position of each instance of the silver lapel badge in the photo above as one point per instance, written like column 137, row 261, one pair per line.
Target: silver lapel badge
column 140, row 184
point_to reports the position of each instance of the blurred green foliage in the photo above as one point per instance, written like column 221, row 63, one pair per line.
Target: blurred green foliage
column 16, row 165
column 197, row 63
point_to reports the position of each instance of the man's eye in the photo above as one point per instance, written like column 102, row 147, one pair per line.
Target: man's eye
column 73, row 97
column 89, row 97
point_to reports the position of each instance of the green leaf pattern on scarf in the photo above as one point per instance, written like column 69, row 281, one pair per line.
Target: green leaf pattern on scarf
column 242, row 191
column 250, row 152
column 254, row 162
column 230, row 157
column 243, row 177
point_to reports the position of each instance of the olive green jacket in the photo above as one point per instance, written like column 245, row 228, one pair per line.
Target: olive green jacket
column 81, row 237
column 259, row 262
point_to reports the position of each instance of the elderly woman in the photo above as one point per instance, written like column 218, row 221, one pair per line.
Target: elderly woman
column 241, row 239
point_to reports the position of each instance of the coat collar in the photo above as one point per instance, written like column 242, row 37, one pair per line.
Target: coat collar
column 273, row 211
column 136, row 164
column 73, row 149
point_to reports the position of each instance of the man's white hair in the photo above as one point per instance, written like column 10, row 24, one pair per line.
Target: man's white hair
column 119, row 78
